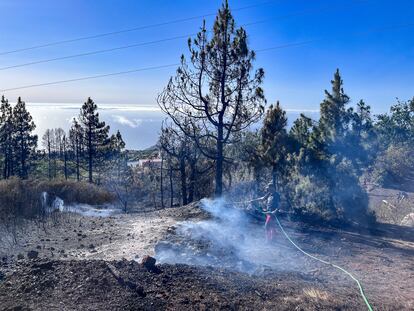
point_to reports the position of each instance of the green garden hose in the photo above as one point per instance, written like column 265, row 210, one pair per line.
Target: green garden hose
column 328, row 263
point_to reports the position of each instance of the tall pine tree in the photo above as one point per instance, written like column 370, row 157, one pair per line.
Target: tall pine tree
column 24, row 142
column 76, row 141
column 6, row 136
column 274, row 139
column 334, row 117
column 217, row 90
column 95, row 137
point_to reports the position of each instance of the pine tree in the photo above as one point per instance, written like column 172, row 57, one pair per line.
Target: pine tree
column 217, row 92
column 65, row 143
column 274, row 139
column 76, row 139
column 361, row 141
column 95, row 137
column 24, row 142
column 301, row 131
column 114, row 154
column 323, row 178
column 177, row 146
column 47, row 143
column 6, row 136
column 333, row 114
column 116, row 144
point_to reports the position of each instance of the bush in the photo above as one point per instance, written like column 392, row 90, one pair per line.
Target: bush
column 394, row 166
column 310, row 198
column 75, row 192
column 22, row 198
column 326, row 192
column 18, row 198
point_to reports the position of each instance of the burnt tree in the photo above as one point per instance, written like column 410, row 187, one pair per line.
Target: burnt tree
column 216, row 91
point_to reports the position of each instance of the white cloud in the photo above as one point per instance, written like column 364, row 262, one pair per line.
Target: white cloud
column 127, row 122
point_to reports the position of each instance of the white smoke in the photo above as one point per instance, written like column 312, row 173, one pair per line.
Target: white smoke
column 230, row 239
column 58, row 205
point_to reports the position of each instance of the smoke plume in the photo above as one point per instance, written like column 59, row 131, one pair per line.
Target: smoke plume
column 230, row 239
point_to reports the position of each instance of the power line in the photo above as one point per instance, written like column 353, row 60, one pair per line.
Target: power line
column 304, row 12
column 376, row 30
column 112, row 33
column 96, row 52
column 90, row 77
column 288, row 45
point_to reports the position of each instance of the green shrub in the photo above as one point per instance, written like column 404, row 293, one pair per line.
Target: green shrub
column 394, row 166
column 310, row 199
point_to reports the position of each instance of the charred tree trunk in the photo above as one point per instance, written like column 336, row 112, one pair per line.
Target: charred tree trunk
column 49, row 164
column 161, row 182
column 192, row 181
column 90, row 156
column 5, row 167
column 171, row 185
column 219, row 163
column 183, row 182
column 77, row 155
column 65, row 164
column 22, row 160
column 274, row 177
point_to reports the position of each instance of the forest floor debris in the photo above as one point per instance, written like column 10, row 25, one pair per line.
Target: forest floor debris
column 67, row 268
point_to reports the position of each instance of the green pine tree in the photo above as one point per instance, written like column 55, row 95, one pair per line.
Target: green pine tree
column 76, row 142
column 24, row 142
column 333, row 113
column 274, row 140
column 95, row 136
column 6, row 137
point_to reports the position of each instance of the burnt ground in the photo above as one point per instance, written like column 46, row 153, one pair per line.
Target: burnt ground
column 90, row 285
column 82, row 277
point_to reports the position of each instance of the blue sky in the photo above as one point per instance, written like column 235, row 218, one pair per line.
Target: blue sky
column 377, row 66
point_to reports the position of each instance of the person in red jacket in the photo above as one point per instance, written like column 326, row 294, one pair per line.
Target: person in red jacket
column 272, row 198
column 272, row 206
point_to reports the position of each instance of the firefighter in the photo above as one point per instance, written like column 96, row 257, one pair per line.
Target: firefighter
column 272, row 199
column 272, row 206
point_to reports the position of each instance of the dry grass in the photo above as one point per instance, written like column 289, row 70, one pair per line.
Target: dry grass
column 22, row 198
column 76, row 192
column 316, row 294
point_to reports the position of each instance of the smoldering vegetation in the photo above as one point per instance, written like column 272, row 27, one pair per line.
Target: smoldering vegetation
column 42, row 201
column 25, row 197
column 229, row 239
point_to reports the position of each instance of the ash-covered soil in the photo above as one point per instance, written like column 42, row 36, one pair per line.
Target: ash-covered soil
column 70, row 274
column 72, row 236
column 93, row 285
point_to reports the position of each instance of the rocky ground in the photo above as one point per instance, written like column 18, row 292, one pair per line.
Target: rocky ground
column 82, row 263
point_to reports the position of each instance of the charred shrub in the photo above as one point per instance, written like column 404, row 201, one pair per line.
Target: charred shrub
column 22, row 198
column 18, row 198
column 76, row 192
